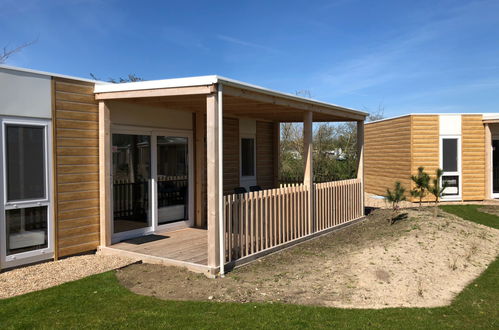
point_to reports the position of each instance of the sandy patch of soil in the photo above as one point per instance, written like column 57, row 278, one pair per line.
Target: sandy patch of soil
column 420, row 261
column 45, row 275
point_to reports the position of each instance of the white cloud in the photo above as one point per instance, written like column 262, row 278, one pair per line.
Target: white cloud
column 244, row 43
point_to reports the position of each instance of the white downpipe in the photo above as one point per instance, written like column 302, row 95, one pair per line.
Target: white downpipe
column 220, row 179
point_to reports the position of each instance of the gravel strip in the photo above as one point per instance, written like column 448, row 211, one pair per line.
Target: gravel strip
column 376, row 201
column 48, row 274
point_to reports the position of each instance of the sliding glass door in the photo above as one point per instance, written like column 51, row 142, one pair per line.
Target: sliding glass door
column 172, row 179
column 26, row 214
column 151, row 181
column 131, row 182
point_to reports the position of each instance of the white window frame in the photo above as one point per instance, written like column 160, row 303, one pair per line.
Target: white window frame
column 153, row 189
column 247, row 180
column 189, row 222
column 457, row 173
column 40, row 254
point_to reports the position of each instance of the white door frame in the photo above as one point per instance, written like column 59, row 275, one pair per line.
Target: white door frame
column 153, row 191
column 40, row 254
column 458, row 173
column 247, row 181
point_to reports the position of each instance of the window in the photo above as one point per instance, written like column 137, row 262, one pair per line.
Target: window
column 449, row 155
column 26, row 229
column 26, row 201
column 452, row 185
column 247, row 157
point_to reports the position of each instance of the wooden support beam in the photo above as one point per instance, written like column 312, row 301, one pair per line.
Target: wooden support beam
column 175, row 91
column 105, row 174
column 200, row 134
column 360, row 159
column 308, row 176
column 488, row 162
column 213, row 173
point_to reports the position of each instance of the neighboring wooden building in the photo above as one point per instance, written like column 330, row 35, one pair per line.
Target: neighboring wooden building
column 460, row 144
column 133, row 168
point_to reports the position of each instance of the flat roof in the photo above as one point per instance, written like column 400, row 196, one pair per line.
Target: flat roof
column 212, row 80
column 45, row 73
column 486, row 115
column 107, row 87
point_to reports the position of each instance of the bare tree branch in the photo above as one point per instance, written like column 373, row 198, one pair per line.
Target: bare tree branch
column 130, row 78
column 6, row 53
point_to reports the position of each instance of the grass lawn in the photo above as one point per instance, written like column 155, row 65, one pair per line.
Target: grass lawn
column 101, row 302
column 470, row 212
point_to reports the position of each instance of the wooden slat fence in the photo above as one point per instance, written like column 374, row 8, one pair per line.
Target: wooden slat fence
column 257, row 221
column 337, row 202
column 260, row 220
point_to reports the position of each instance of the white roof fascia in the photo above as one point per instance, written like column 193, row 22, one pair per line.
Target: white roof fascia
column 156, row 84
column 491, row 116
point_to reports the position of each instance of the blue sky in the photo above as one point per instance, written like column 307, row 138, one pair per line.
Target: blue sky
column 407, row 56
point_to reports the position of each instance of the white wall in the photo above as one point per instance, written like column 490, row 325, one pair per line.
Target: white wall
column 126, row 113
column 450, row 124
column 25, row 94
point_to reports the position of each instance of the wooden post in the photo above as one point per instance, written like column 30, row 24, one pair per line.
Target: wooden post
column 213, row 185
column 277, row 152
column 308, row 176
column 488, row 162
column 360, row 161
column 200, row 167
column 105, row 174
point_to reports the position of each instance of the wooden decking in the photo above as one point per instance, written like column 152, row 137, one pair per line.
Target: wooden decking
column 186, row 247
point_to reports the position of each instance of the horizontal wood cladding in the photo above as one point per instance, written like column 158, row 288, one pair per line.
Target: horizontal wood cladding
column 77, row 166
column 473, row 157
column 230, row 154
column 387, row 155
column 265, row 154
column 425, row 144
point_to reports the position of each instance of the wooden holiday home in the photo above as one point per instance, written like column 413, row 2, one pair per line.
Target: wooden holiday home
column 462, row 145
column 176, row 171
